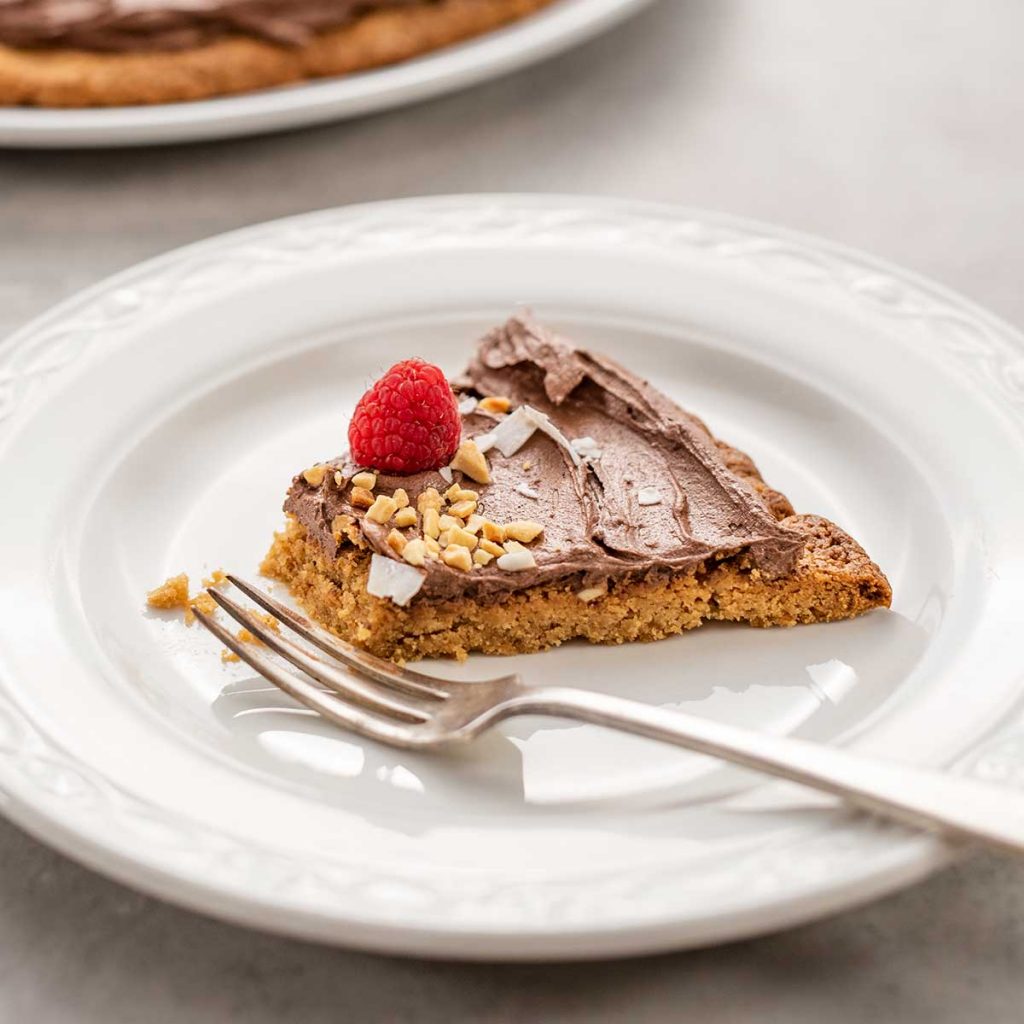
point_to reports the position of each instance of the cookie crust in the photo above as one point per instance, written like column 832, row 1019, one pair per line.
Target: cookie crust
column 77, row 78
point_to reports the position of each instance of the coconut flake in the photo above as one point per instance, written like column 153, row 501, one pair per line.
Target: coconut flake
column 527, row 491
column 445, row 472
column 485, row 442
column 467, row 405
column 513, row 432
column 396, row 580
column 648, row 496
column 544, row 423
column 517, row 561
column 587, row 448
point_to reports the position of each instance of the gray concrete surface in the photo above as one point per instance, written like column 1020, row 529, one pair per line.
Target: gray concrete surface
column 896, row 127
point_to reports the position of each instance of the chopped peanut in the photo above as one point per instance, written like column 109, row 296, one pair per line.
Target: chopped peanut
column 365, row 479
column 588, row 594
column 442, row 538
column 430, row 498
column 449, row 522
column 513, row 545
column 482, row 557
column 494, row 532
column 524, row 530
column 361, row 497
column 459, row 493
column 491, row 548
column 314, row 476
column 382, row 509
column 405, row 517
column 474, row 523
column 470, row 460
column 339, row 480
column 415, row 552
column 340, row 526
column 397, row 542
column 433, row 548
column 463, row 509
column 461, row 537
column 431, row 523
column 495, row 403
column 457, row 557
column 401, row 497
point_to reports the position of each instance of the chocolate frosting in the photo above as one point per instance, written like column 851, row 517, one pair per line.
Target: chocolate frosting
column 131, row 25
column 594, row 526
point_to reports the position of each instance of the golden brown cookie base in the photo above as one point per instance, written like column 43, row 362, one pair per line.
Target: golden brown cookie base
column 834, row 580
column 78, row 78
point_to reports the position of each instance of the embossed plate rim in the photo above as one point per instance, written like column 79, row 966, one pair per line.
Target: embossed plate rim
column 53, row 797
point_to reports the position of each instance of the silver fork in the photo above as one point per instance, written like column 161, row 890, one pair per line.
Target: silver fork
column 408, row 709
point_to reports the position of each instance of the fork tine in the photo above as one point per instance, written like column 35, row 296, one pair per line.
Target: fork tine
column 405, row 679
column 346, row 685
column 395, row 734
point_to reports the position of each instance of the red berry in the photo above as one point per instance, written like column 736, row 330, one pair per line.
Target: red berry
column 407, row 422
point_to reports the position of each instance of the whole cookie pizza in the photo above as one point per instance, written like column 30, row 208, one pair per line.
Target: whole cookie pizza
column 94, row 53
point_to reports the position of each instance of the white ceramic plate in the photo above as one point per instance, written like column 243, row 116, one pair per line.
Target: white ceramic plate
column 152, row 424
column 541, row 35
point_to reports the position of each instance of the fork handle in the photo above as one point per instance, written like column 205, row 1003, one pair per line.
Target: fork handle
column 956, row 806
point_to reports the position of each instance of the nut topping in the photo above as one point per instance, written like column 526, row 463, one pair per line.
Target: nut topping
column 474, row 523
column 457, row 557
column 405, row 517
column 524, row 530
column 365, row 479
column 431, row 523
column 462, row 538
column 492, row 531
column 470, row 460
column 463, row 509
column 382, row 509
column 430, row 498
column 459, row 493
column 415, row 552
column 340, row 526
column 495, row 403
column 361, row 497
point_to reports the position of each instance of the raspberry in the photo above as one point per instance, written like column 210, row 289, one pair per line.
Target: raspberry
column 407, row 422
